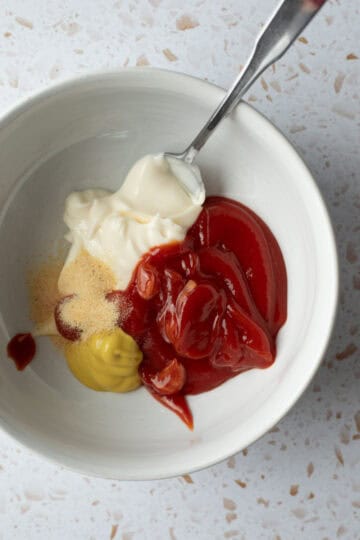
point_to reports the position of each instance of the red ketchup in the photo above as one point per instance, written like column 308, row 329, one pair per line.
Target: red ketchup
column 208, row 308
column 21, row 348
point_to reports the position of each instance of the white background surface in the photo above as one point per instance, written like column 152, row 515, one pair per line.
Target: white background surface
column 302, row 480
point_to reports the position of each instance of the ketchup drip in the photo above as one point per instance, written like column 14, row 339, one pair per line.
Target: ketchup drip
column 21, row 348
column 208, row 308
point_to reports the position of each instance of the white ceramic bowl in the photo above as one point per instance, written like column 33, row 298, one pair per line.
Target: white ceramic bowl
column 87, row 132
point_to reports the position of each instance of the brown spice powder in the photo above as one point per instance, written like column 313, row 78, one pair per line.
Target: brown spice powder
column 43, row 292
column 88, row 279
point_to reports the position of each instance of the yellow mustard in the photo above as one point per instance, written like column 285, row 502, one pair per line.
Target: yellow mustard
column 106, row 361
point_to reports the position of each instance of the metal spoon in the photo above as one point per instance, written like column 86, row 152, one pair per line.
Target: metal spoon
column 288, row 21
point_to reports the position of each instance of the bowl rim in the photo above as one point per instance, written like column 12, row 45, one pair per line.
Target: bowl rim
column 169, row 77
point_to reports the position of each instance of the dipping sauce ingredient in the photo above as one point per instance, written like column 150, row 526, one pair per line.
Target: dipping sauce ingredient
column 21, row 348
column 82, row 310
column 208, row 308
column 150, row 209
column 106, row 362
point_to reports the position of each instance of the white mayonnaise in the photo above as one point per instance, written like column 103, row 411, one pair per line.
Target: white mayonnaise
column 151, row 208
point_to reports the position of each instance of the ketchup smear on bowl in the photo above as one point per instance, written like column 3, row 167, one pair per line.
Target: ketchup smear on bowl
column 208, row 308
column 21, row 348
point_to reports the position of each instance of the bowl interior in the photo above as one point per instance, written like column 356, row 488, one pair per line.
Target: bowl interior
column 87, row 134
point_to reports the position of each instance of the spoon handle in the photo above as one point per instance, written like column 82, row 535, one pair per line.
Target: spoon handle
column 288, row 21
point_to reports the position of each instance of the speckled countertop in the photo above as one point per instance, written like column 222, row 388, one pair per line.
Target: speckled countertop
column 301, row 480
